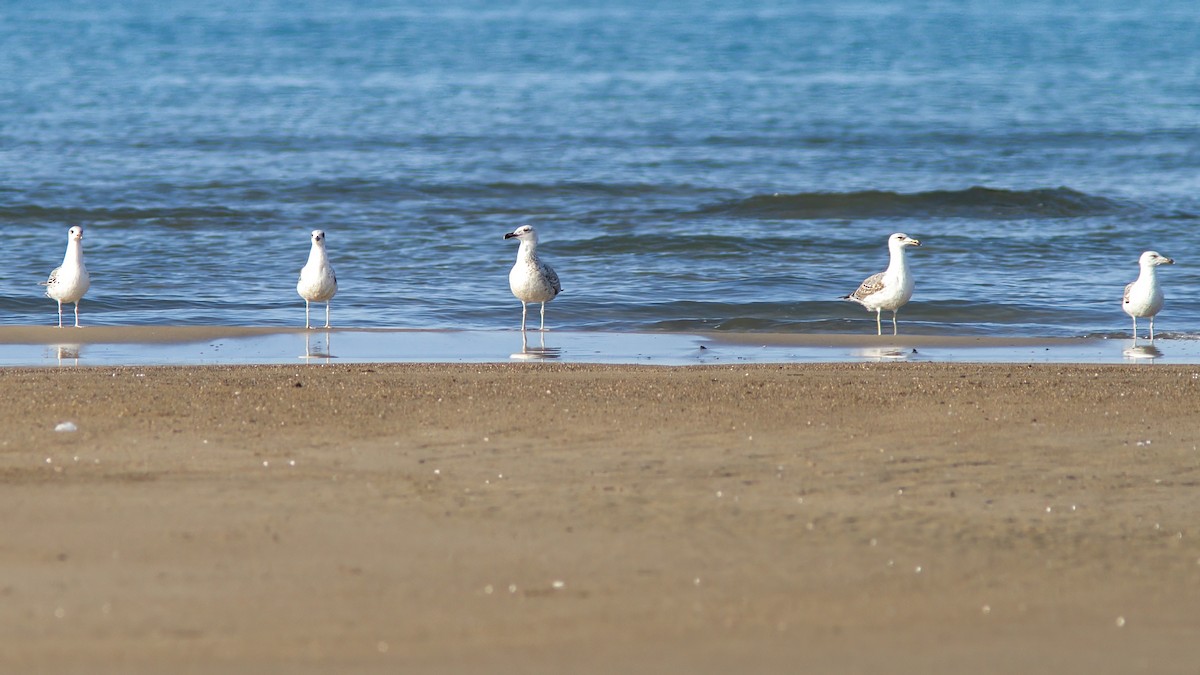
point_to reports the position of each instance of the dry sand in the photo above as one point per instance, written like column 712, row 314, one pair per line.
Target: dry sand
column 539, row 518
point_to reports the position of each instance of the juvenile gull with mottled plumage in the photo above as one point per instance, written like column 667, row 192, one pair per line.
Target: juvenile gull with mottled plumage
column 891, row 288
column 530, row 279
column 69, row 281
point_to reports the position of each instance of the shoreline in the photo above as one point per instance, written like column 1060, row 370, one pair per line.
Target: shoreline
column 32, row 346
column 919, row 517
column 181, row 334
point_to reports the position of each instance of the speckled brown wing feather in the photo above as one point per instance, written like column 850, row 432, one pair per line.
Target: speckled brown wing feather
column 1125, row 298
column 873, row 284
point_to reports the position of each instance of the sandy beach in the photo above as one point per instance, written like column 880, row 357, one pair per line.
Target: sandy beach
column 550, row 518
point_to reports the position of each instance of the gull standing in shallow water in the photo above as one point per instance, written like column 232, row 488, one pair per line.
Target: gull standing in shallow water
column 891, row 288
column 69, row 281
column 1144, row 297
column 317, row 282
column 530, row 279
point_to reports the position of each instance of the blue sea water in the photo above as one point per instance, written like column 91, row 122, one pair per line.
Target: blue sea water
column 689, row 165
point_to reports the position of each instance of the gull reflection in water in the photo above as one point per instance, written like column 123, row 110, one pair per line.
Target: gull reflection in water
column 539, row 352
column 885, row 353
column 318, row 349
column 1136, row 352
column 69, row 353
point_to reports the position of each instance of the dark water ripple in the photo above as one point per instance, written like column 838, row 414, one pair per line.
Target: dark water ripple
column 976, row 202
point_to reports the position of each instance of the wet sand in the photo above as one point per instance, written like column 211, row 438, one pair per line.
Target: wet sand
column 550, row 518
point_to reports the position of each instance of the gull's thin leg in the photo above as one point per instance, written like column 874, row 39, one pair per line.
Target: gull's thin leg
column 524, row 312
column 894, row 329
column 542, row 327
column 327, row 314
column 1152, row 329
column 1135, row 329
column 77, row 314
column 878, row 322
column 307, row 323
column 60, row 313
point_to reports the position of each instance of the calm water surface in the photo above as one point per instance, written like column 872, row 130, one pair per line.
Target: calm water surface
column 696, row 165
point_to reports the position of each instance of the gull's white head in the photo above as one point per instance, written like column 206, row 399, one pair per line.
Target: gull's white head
column 524, row 233
column 1153, row 259
column 900, row 240
column 75, row 234
column 318, row 237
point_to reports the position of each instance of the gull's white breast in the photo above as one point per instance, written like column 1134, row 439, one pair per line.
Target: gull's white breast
column 532, row 281
column 68, row 283
column 317, row 283
column 1143, row 298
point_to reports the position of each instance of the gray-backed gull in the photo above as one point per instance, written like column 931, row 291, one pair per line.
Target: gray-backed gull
column 1144, row 297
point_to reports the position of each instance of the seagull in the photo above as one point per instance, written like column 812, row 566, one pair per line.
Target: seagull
column 317, row 282
column 1144, row 297
column 891, row 288
column 530, row 279
column 69, row 281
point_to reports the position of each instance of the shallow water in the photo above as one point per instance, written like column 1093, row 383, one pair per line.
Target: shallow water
column 690, row 167
column 651, row 348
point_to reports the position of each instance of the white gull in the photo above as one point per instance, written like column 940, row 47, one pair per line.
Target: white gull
column 317, row 282
column 891, row 288
column 530, row 279
column 69, row 281
column 1144, row 297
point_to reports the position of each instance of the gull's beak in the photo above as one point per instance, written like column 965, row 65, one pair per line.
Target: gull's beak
column 1168, row 261
column 913, row 242
column 511, row 235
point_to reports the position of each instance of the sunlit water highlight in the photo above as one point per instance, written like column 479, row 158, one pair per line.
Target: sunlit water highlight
column 654, row 348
